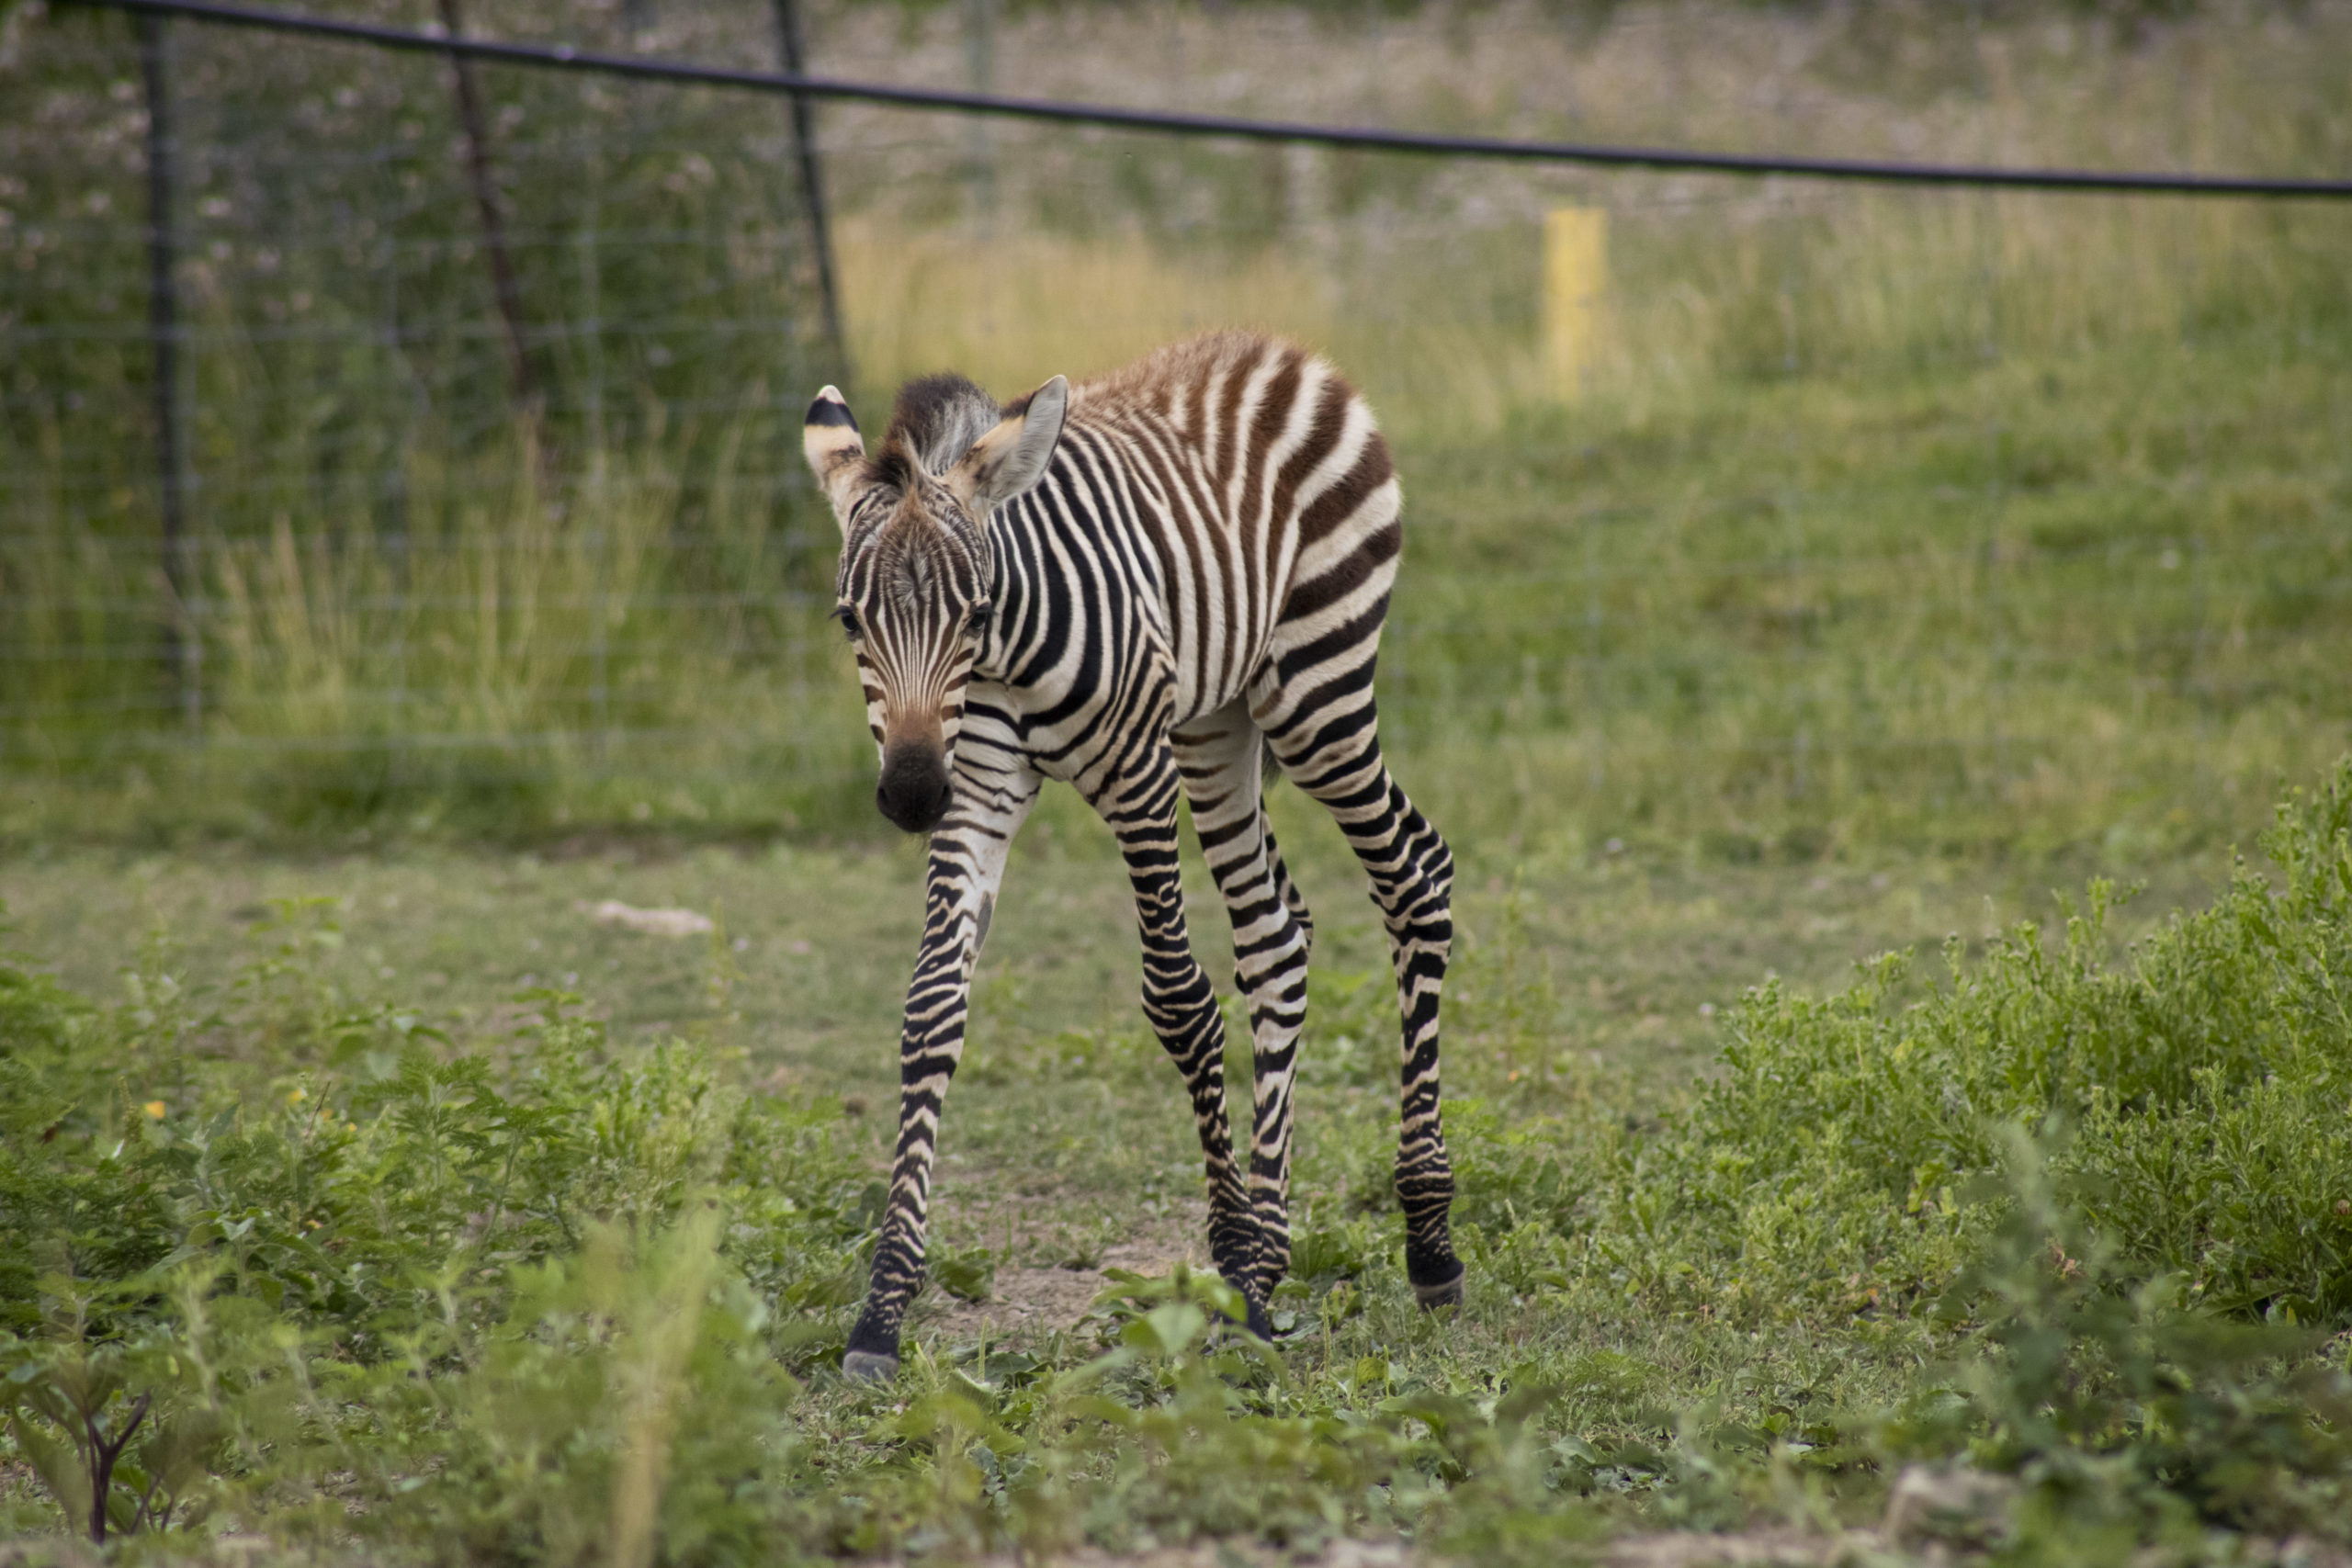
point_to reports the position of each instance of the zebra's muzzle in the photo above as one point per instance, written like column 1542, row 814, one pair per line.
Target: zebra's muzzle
column 914, row 791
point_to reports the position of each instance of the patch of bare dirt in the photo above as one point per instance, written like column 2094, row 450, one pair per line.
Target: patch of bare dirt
column 1028, row 1303
column 1743, row 1549
column 1757, row 1549
column 1800, row 1548
column 1228, row 1554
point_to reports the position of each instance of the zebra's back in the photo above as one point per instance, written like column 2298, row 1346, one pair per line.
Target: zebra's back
column 1260, row 491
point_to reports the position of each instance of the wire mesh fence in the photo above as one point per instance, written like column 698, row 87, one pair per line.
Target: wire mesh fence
column 485, row 493
column 461, row 470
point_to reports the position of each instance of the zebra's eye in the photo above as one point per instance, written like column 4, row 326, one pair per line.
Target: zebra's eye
column 977, row 621
column 848, row 618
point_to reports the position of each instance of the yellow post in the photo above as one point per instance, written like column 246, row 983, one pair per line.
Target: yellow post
column 1576, row 284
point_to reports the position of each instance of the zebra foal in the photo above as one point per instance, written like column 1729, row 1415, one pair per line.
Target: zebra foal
column 1145, row 583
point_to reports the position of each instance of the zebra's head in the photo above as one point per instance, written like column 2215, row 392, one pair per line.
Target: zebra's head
column 914, row 585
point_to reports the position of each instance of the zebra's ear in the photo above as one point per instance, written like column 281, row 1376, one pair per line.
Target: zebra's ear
column 834, row 449
column 1009, row 460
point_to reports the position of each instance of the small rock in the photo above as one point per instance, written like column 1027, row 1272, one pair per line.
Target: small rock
column 1957, row 1505
column 652, row 922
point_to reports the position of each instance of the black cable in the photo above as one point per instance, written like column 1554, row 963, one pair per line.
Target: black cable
column 564, row 57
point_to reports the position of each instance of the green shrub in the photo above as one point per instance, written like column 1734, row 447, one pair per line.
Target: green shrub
column 2124, row 1411
column 273, row 1263
column 508, row 1303
column 2204, row 1074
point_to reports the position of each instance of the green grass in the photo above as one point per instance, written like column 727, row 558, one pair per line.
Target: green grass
column 1889, row 522
column 2056, row 605
column 2033, row 605
column 1908, row 559
column 1732, row 1269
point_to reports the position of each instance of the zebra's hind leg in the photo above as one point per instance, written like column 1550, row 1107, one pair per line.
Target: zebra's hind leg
column 1334, row 756
column 1140, row 808
column 1269, row 771
column 1295, row 901
column 1220, row 759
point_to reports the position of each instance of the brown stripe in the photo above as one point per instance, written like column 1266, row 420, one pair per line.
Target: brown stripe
column 1228, row 417
column 1159, row 520
column 1337, row 504
column 1192, row 514
column 1322, row 439
column 1253, row 525
column 1353, row 571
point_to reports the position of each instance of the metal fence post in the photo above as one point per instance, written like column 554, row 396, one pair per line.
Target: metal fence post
column 493, row 225
column 1800, row 686
column 2002, row 444
column 184, row 643
column 588, row 329
column 1996, row 624
column 792, row 45
column 1596, row 690
column 398, row 541
column 979, row 59
column 600, row 655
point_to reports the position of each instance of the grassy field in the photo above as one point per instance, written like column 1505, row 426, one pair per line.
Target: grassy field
column 1931, row 520
column 2049, row 604
column 1648, row 1346
column 1910, row 572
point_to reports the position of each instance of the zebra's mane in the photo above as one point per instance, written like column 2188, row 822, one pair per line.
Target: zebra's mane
column 935, row 422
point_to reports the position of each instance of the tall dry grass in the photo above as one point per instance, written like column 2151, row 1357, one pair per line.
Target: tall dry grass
column 1443, row 328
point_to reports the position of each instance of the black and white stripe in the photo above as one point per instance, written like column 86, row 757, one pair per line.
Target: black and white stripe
column 1148, row 584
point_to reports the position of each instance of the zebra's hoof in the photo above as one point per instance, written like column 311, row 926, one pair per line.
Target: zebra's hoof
column 869, row 1366
column 1444, row 1294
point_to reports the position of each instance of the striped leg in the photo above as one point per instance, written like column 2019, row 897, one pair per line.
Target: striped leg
column 993, row 792
column 1291, row 898
column 1269, row 771
column 1181, row 1005
column 1334, row 756
column 1220, row 758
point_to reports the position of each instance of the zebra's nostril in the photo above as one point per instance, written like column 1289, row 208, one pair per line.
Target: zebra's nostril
column 914, row 792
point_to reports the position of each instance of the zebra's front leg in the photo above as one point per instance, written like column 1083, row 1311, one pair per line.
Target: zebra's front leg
column 993, row 793
column 1182, row 1006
